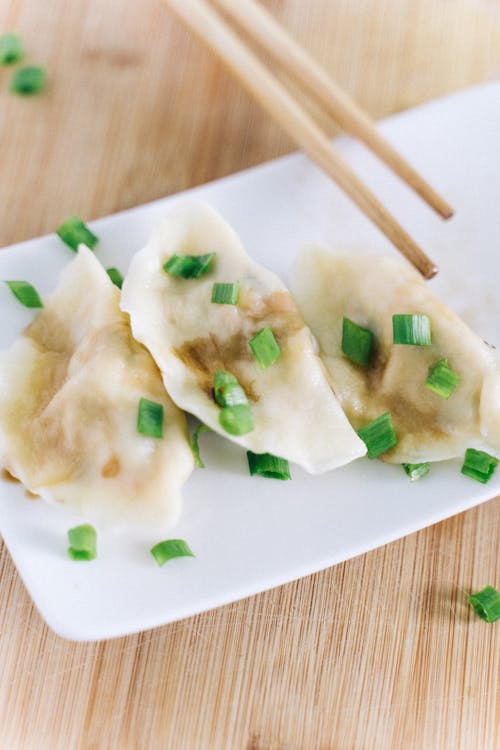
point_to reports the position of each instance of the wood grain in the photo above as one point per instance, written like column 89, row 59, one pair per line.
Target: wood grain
column 378, row 653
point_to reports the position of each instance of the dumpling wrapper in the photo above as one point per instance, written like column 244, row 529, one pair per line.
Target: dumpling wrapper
column 369, row 289
column 296, row 415
column 69, row 394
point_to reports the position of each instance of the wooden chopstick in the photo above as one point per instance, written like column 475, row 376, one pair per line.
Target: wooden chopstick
column 275, row 99
column 296, row 62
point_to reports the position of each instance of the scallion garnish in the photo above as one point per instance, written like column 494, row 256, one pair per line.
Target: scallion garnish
column 25, row 293
column 11, row 49
column 267, row 465
column 189, row 266
column 28, row 81
column 73, row 231
column 442, row 379
column 82, row 541
column 150, row 418
column 378, row 436
column 237, row 420
column 416, row 471
column 195, row 447
column 479, row 465
column 170, row 548
column 115, row 276
column 486, row 603
column 411, row 329
column 226, row 294
column 227, row 390
column 265, row 348
column 357, row 342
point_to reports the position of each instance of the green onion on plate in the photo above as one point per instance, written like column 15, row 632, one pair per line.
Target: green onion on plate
column 195, row 446
column 267, row 465
column 115, row 276
column 73, row 232
column 479, row 465
column 82, row 542
column 416, row 471
column 169, row 549
column 25, row 293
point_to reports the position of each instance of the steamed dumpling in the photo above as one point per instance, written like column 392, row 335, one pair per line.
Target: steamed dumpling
column 296, row 415
column 69, row 393
column 369, row 290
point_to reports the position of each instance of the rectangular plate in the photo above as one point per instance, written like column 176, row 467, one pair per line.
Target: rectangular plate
column 250, row 534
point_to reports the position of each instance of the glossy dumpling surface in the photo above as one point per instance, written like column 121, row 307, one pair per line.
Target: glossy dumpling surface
column 69, row 393
column 369, row 290
column 296, row 415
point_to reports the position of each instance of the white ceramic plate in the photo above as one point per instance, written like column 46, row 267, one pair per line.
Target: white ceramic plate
column 250, row 534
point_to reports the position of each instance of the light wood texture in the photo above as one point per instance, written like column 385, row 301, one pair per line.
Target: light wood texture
column 201, row 18
column 379, row 653
column 299, row 65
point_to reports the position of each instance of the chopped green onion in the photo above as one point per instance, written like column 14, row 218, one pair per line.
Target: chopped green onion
column 479, row 465
column 150, row 418
column 73, row 232
column 486, row 603
column 82, row 540
column 416, row 471
column 11, row 49
column 28, row 81
column 195, row 447
column 189, row 266
column 226, row 294
column 267, row 465
column 115, row 276
column 357, row 342
column 25, row 293
column 227, row 390
column 379, row 436
column 441, row 379
column 411, row 329
column 236, row 420
column 170, row 548
column 265, row 348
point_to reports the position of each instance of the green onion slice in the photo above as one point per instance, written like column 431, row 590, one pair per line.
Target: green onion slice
column 195, row 447
column 150, row 418
column 25, row 293
column 226, row 294
column 357, row 342
column 416, row 471
column 189, row 266
column 486, row 603
column 28, row 81
column 411, row 329
column 170, row 548
column 82, row 541
column 265, row 348
column 11, row 49
column 227, row 390
column 267, row 465
column 441, row 379
column 115, row 276
column 379, row 436
column 479, row 465
column 236, row 420
column 73, row 232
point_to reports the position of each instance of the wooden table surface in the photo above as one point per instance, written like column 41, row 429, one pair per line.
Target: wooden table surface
column 379, row 652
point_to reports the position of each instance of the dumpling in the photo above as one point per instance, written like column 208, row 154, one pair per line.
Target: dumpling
column 369, row 290
column 70, row 388
column 293, row 412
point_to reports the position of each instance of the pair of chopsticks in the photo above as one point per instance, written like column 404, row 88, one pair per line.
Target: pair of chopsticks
column 201, row 17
